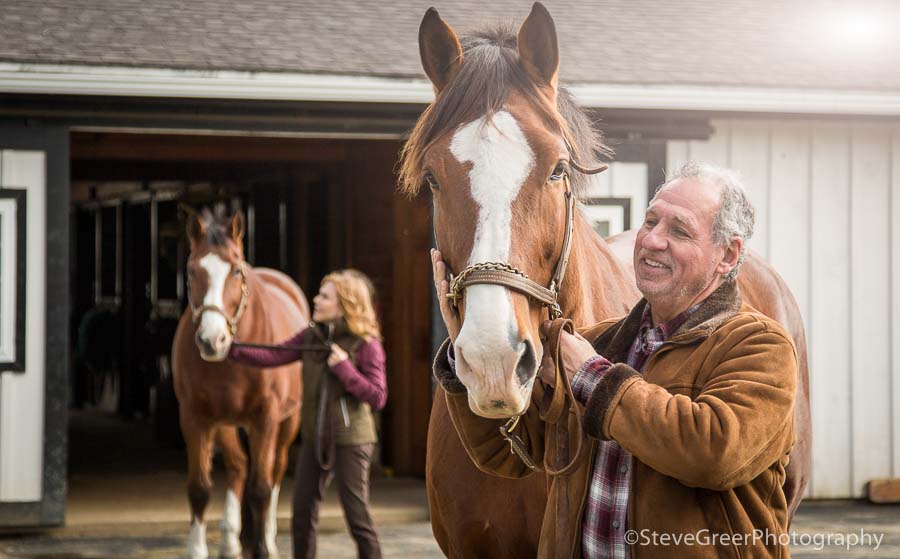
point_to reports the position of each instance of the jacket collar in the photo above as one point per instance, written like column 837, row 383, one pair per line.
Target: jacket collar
column 721, row 305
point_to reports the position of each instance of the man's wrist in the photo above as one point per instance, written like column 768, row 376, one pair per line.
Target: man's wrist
column 587, row 377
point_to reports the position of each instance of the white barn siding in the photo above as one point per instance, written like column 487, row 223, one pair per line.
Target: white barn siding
column 827, row 195
column 22, row 394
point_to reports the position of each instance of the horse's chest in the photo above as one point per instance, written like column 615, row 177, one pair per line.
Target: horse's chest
column 236, row 400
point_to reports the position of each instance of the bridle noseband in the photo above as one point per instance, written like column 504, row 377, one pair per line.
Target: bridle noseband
column 197, row 312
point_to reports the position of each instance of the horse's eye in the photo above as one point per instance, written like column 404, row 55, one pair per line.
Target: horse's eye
column 558, row 172
column 432, row 182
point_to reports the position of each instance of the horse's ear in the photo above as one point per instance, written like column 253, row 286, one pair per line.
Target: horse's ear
column 237, row 226
column 439, row 48
column 196, row 228
column 538, row 48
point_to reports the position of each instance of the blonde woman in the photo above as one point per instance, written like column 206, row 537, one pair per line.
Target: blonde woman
column 343, row 381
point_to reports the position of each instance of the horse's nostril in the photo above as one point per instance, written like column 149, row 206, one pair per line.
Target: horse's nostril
column 526, row 366
column 205, row 345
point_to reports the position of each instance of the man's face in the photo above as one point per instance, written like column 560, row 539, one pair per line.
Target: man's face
column 675, row 259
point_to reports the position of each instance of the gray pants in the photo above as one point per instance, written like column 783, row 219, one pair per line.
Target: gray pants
column 351, row 470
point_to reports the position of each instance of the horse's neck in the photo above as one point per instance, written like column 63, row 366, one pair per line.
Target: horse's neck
column 252, row 326
column 596, row 285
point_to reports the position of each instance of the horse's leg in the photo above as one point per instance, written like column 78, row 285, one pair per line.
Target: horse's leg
column 236, row 467
column 258, row 493
column 199, row 439
column 287, row 431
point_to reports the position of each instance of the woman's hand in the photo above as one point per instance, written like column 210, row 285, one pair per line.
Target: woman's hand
column 336, row 356
column 442, row 287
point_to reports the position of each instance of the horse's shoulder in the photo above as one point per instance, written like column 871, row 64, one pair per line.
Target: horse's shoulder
column 278, row 285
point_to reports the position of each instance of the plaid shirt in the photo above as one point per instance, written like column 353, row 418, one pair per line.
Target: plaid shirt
column 603, row 526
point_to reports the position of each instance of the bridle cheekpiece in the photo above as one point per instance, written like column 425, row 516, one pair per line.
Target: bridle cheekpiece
column 197, row 312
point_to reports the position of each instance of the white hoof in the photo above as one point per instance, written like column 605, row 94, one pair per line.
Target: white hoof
column 231, row 527
column 272, row 522
column 196, row 548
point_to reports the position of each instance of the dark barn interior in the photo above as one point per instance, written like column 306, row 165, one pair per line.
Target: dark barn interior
column 311, row 206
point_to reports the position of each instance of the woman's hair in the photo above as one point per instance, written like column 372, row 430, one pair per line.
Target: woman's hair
column 355, row 293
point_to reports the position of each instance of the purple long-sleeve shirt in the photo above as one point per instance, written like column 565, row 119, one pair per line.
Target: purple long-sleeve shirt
column 366, row 381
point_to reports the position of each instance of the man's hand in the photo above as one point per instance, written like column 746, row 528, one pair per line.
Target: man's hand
column 442, row 287
column 336, row 356
column 574, row 349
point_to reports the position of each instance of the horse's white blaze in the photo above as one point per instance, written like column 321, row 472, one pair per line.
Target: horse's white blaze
column 501, row 160
column 231, row 526
column 197, row 540
column 272, row 522
column 212, row 324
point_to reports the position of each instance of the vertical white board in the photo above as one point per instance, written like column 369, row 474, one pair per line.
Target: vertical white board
column 677, row 154
column 600, row 185
column 714, row 150
column 895, row 297
column 789, row 208
column 749, row 155
column 870, row 295
column 629, row 180
column 829, row 319
column 22, row 394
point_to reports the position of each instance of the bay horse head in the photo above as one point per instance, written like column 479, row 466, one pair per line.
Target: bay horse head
column 217, row 280
column 496, row 148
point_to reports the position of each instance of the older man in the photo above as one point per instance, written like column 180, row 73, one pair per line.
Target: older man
column 688, row 400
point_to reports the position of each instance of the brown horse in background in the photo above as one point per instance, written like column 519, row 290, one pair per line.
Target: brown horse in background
column 216, row 396
column 495, row 148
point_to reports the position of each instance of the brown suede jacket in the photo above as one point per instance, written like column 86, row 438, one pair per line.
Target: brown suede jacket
column 709, row 424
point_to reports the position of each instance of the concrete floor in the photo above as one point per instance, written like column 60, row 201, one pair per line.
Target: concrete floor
column 816, row 520
column 126, row 500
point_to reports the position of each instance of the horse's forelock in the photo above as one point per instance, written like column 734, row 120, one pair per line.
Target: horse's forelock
column 490, row 71
column 217, row 232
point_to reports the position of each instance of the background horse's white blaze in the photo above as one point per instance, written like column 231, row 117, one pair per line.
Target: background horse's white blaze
column 213, row 328
column 489, row 341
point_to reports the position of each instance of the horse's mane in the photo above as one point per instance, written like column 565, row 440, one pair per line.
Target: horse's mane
column 490, row 71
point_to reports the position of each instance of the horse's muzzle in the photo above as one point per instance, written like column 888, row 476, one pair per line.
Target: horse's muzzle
column 216, row 350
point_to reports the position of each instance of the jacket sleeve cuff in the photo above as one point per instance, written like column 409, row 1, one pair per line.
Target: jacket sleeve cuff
column 445, row 371
column 603, row 397
column 587, row 377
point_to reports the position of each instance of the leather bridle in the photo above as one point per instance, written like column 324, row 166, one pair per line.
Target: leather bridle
column 197, row 312
column 501, row 273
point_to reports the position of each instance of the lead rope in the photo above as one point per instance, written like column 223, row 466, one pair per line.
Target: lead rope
column 516, row 444
column 557, row 409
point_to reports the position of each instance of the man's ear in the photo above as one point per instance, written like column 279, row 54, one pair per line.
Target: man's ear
column 731, row 257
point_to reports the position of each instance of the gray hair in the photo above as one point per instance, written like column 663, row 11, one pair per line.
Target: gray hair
column 736, row 215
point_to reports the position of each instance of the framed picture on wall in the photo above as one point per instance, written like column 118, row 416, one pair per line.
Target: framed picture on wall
column 12, row 280
column 607, row 216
